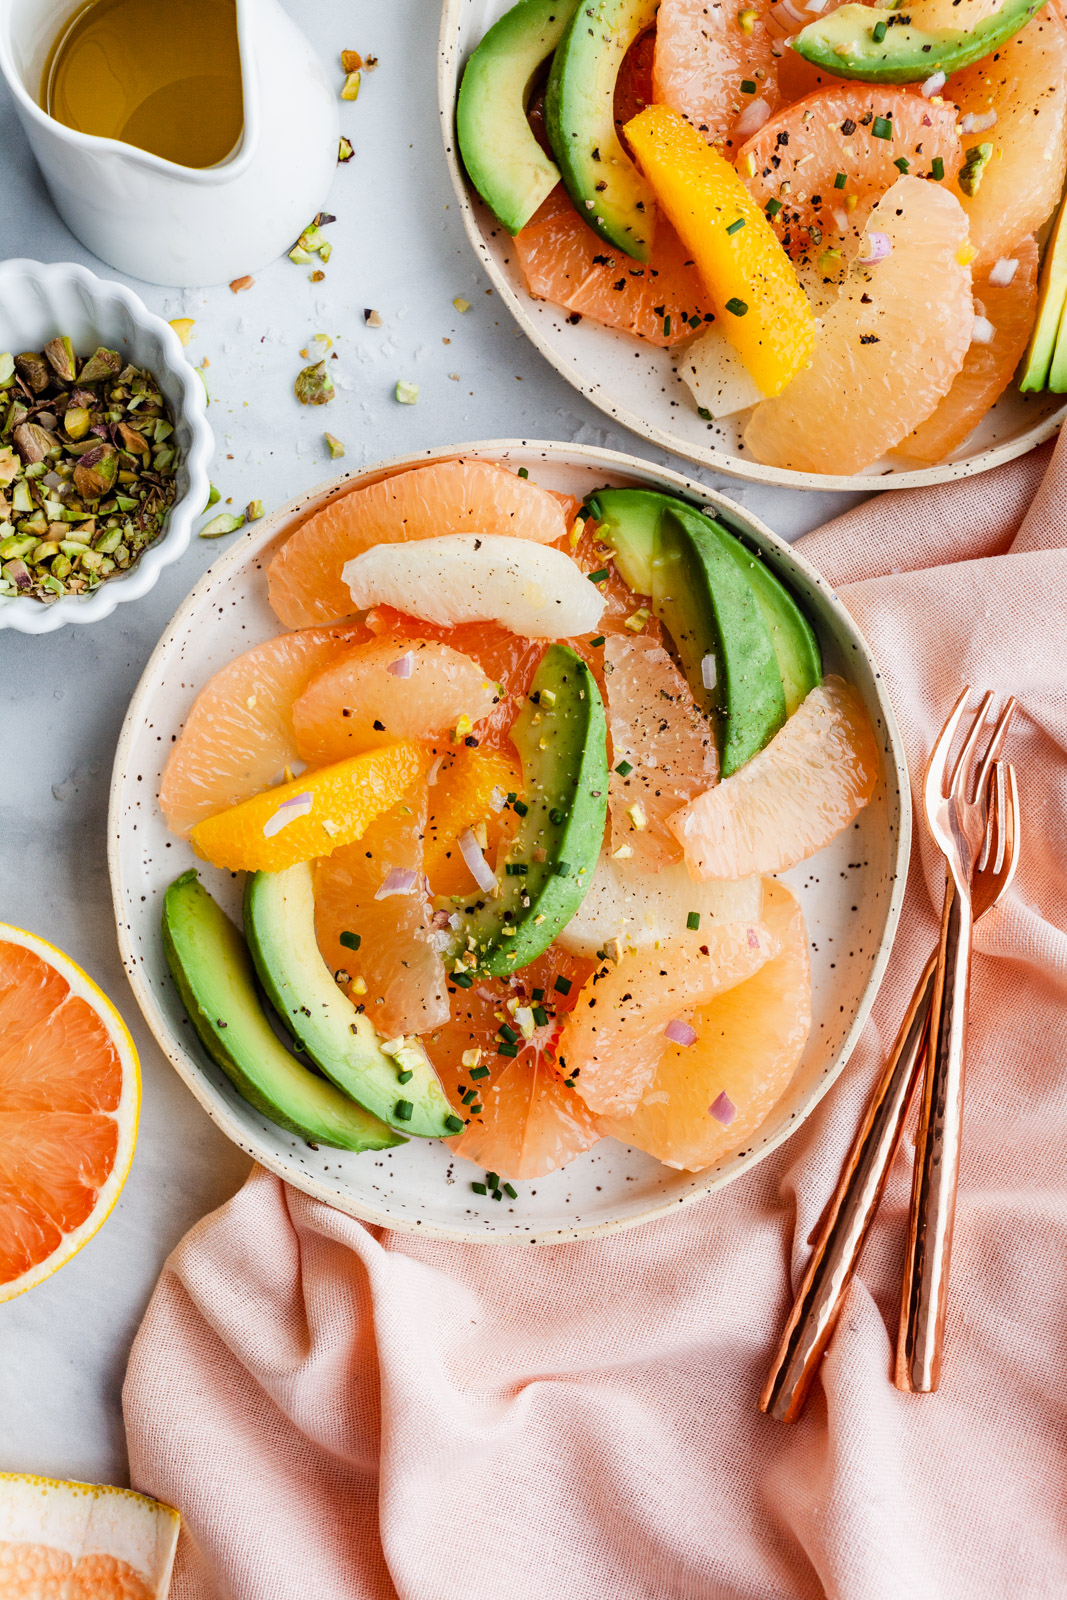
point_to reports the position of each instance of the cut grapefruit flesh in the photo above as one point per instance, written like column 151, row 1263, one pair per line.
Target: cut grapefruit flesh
column 396, row 974
column 707, row 1100
column 614, row 1037
column 444, row 497
column 888, row 349
column 641, row 908
column 704, row 55
column 468, row 792
column 817, row 773
column 528, row 1121
column 987, row 368
column 390, row 688
column 82, row 1541
column 796, row 157
column 239, row 736
column 659, row 733
column 70, row 1091
column 1024, row 82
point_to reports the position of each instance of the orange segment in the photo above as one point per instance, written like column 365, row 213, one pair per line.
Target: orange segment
column 396, row 974
column 703, row 56
column 987, row 368
column 816, row 774
column 312, row 816
column 468, row 786
column 359, row 702
column 69, row 1097
column 614, row 1037
column 239, row 736
column 763, row 310
column 304, row 578
column 708, row 1099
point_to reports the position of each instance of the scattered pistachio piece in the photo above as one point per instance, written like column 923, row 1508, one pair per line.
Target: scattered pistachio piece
column 314, row 386
column 316, row 276
column 60, row 356
column 351, row 60
column 239, row 284
column 7, row 370
column 373, row 319
column 213, row 498
column 334, row 445
column 975, row 161
column 183, row 327
column 407, row 393
column 461, row 305
column 225, row 522
column 345, row 151
column 300, row 255
column 350, row 87
column 253, row 510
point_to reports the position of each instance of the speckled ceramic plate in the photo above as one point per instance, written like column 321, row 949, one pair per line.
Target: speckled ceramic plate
column 639, row 386
column 851, row 894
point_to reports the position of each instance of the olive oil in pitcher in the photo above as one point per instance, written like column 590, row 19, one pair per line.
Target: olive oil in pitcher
column 162, row 75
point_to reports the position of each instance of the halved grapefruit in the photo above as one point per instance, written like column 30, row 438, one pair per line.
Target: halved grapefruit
column 83, row 1541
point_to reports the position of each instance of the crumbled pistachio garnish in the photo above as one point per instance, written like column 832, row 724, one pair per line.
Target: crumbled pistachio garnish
column 747, row 19
column 253, row 510
column 373, row 319
column 317, row 276
column 88, row 465
column 461, row 305
column 225, row 522
column 975, row 161
column 314, row 386
column 239, row 284
column 351, row 60
column 213, row 497
column 359, row 986
column 637, row 621
column 407, row 393
column 312, row 241
column 350, row 87
column 319, row 345
column 345, row 151
column 636, row 814
column 334, row 445
column 299, row 255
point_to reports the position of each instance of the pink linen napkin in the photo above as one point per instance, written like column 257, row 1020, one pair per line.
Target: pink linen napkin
column 353, row 1414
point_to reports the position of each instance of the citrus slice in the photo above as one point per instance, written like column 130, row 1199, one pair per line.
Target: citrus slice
column 1008, row 309
column 83, row 1541
column 70, row 1092
column 1022, row 87
column 312, row 816
column 661, row 742
column 614, row 1037
column 392, row 688
column 639, row 909
column 889, row 347
column 471, row 791
column 763, row 309
column 395, row 970
column 522, row 1119
column 707, row 1099
column 824, row 161
column 802, row 789
column 239, row 736
column 712, row 67
column 304, row 578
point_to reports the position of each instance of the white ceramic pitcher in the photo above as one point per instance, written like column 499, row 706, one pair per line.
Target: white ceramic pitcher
column 177, row 225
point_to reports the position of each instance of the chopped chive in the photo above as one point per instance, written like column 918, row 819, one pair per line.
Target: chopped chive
column 506, row 1049
column 748, row 86
column 523, row 472
column 462, row 979
column 692, row 921
column 507, row 1032
column 479, row 1072
column 540, row 1016
column 454, row 1124
column 773, row 207
column 736, row 307
column 624, row 769
column 520, row 807
column 878, row 32
column 840, row 180
column 402, row 1110
column 510, row 1192
column 479, row 1188
column 498, row 1194
column 595, row 509
column 515, row 869
column 597, row 642
column 735, row 227
column 512, row 797
column 882, row 128
column 493, row 1180
column 562, row 869
column 666, row 327
column 703, row 413
column 598, row 577
column 476, row 1111
column 405, row 1077
column 537, row 994
column 557, row 816
column 468, row 1095
column 351, row 941
column 563, row 986
column 902, row 163
column 937, row 168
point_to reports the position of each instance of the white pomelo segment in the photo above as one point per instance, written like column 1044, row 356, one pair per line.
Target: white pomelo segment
column 816, row 774
column 881, row 363
column 85, row 1519
column 647, row 908
column 716, row 376
column 532, row 589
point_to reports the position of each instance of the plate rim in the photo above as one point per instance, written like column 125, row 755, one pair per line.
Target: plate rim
column 702, row 456
column 247, row 548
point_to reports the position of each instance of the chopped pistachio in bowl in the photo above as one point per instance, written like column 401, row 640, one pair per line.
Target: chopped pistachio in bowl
column 103, row 438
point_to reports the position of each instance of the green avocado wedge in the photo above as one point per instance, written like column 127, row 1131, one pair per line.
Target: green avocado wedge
column 279, row 915
column 561, row 737
column 1045, row 363
column 210, row 965
column 504, row 161
column 607, row 190
column 879, row 45
column 795, row 645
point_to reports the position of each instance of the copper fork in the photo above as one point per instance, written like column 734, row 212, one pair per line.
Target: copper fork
column 956, row 812
column 855, row 1202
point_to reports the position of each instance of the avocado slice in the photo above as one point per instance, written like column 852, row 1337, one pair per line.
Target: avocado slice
column 1045, row 362
column 792, row 635
column 212, row 971
column 504, row 161
column 561, row 737
column 607, row 189
column 704, row 594
column 279, row 916
column 879, row 45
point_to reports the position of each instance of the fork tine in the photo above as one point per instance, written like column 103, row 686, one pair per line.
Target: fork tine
column 933, row 782
column 960, row 771
column 996, row 742
column 1011, row 828
column 995, row 842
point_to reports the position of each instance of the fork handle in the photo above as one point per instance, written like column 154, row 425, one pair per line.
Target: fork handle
column 849, row 1215
column 924, row 1298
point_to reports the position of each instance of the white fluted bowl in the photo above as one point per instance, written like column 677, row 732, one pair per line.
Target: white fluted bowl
column 39, row 302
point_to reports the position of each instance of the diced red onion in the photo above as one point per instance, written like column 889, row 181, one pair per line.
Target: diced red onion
column 933, row 85
column 928, row 121
column 299, row 805
column 1002, row 272
column 723, row 1109
column 498, row 800
column 840, row 217
column 679, row 1032
column 816, row 6
column 471, row 851
column 439, row 919
column 709, row 672
column 401, row 668
column 973, row 123
column 982, row 332
column 753, row 939
column 880, row 244
column 399, row 880
column 787, row 8
column 752, row 118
